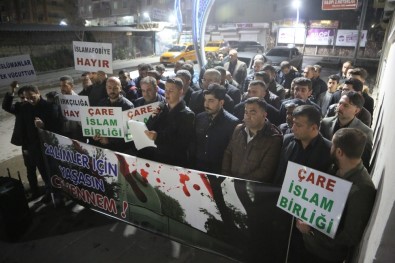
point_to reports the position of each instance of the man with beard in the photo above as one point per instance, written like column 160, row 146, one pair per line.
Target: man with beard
column 347, row 109
column 305, row 146
column 347, row 147
column 128, row 86
column 115, row 99
column 254, row 150
column 213, row 129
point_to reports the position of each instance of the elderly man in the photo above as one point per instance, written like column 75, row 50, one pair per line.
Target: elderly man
column 254, row 150
column 347, row 148
column 237, row 68
column 149, row 90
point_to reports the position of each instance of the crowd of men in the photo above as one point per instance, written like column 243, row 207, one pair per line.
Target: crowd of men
column 231, row 121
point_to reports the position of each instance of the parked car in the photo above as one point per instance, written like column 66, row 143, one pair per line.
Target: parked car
column 279, row 54
column 217, row 46
column 178, row 52
column 252, row 46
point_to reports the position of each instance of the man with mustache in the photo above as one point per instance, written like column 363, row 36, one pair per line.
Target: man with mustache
column 347, row 147
column 349, row 106
column 115, row 99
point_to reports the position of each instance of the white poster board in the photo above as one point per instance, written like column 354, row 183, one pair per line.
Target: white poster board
column 314, row 197
column 19, row 68
column 348, row 38
column 70, row 106
column 92, row 57
column 104, row 121
column 140, row 114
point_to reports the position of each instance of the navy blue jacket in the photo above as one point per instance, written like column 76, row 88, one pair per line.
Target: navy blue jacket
column 211, row 139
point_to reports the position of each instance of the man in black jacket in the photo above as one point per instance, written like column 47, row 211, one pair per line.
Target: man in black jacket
column 38, row 113
column 171, row 127
column 213, row 130
column 304, row 146
column 115, row 99
column 16, row 138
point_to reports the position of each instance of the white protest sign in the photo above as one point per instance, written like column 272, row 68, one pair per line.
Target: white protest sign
column 91, row 56
column 18, row 68
column 316, row 198
column 70, row 105
column 104, row 121
column 140, row 114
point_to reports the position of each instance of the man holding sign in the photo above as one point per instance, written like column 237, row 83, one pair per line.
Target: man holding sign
column 347, row 148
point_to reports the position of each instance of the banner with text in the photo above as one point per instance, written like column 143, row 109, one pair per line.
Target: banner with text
column 138, row 114
column 316, row 198
column 18, row 68
column 103, row 121
column 224, row 215
column 320, row 36
column 291, row 35
column 339, row 4
column 348, row 38
column 91, row 56
column 70, row 106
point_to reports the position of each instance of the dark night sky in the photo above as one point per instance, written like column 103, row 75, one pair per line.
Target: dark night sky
column 311, row 10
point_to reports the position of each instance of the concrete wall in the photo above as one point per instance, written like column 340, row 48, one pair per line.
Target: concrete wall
column 379, row 240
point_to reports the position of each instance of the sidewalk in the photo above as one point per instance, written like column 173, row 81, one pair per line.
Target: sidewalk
column 51, row 78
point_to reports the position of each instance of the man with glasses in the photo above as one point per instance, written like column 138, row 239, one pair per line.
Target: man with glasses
column 196, row 104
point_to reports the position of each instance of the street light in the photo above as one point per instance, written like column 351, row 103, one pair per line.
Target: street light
column 146, row 16
column 296, row 4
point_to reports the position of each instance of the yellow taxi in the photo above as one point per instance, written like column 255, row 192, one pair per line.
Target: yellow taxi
column 217, row 46
column 178, row 52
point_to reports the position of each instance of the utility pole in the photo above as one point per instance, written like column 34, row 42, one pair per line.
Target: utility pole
column 360, row 28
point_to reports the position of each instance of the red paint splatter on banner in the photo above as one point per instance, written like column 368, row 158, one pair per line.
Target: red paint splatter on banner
column 158, row 180
column 125, row 172
column 196, row 187
column 147, row 164
column 183, row 179
column 125, row 206
column 207, row 184
column 144, row 174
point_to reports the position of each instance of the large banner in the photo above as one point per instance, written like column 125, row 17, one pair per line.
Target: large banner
column 91, row 56
column 291, row 35
column 348, row 38
column 18, row 68
column 297, row 35
column 316, row 198
column 320, row 36
column 228, row 216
